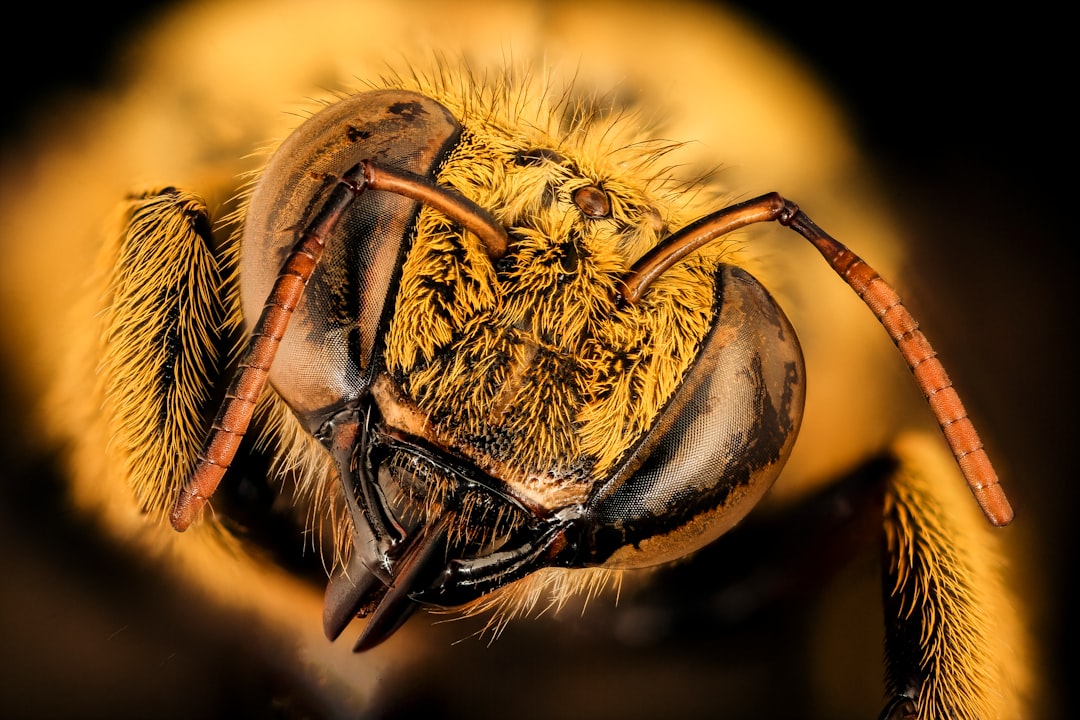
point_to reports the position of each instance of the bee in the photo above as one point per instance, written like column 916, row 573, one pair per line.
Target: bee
column 489, row 340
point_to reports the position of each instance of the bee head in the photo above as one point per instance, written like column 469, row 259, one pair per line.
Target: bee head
column 497, row 409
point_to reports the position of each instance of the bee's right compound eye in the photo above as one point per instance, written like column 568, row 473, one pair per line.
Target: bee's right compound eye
column 716, row 447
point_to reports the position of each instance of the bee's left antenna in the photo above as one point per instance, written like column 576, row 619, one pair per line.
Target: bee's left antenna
column 234, row 416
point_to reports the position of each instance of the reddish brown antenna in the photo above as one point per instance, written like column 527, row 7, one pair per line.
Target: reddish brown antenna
column 882, row 300
column 234, row 416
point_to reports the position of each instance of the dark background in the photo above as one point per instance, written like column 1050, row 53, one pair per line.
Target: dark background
column 964, row 114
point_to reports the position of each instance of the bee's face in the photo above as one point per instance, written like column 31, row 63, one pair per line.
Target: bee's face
column 504, row 406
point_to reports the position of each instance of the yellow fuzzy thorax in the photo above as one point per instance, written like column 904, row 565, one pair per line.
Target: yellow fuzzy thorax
column 528, row 362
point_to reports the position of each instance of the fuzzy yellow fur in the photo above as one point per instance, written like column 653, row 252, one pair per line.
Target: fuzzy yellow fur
column 597, row 374
column 948, row 601
column 161, row 319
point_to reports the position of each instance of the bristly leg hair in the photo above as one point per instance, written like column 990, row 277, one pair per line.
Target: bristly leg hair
column 158, row 379
column 940, row 624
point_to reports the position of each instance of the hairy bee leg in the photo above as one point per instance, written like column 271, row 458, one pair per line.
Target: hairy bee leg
column 162, row 324
column 953, row 643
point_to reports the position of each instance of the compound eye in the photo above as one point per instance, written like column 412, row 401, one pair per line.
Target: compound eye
column 329, row 353
column 717, row 446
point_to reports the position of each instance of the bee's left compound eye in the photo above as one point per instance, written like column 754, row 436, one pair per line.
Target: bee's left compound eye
column 326, row 358
column 717, row 446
